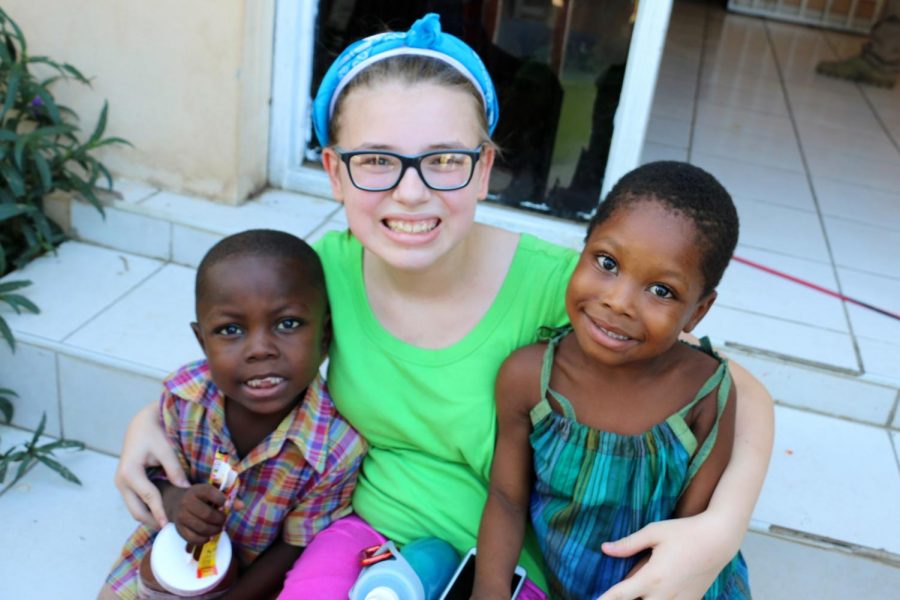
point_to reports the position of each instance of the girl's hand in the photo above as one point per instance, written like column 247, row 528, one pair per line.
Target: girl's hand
column 686, row 557
column 146, row 446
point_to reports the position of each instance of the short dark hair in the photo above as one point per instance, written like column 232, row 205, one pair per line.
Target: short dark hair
column 689, row 191
column 263, row 242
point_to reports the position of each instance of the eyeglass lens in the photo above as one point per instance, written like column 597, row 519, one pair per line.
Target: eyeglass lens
column 442, row 171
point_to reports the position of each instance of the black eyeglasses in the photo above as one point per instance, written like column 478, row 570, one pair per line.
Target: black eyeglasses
column 440, row 170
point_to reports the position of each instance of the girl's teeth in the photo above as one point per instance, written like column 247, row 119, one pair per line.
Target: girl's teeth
column 411, row 226
column 615, row 336
column 265, row 382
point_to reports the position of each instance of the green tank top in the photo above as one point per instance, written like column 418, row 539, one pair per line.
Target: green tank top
column 429, row 415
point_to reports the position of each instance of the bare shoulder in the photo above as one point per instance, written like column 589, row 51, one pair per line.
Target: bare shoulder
column 519, row 380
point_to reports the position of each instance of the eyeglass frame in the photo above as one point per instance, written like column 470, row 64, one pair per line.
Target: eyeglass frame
column 408, row 161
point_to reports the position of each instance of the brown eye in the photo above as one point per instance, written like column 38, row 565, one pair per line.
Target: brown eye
column 607, row 263
column 661, row 291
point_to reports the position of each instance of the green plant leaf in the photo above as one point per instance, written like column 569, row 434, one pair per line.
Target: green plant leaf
column 107, row 176
column 48, row 100
column 7, row 334
column 8, row 211
column 43, row 172
column 101, row 125
column 62, row 444
column 9, row 286
column 13, row 179
column 38, row 432
column 20, row 303
column 59, row 468
column 6, row 407
column 27, row 461
column 3, row 464
column 43, row 227
column 76, row 74
column 112, row 140
column 12, row 89
column 20, row 37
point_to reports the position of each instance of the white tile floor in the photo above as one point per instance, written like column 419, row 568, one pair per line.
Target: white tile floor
column 814, row 166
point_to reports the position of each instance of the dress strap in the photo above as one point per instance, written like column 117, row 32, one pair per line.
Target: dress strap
column 542, row 408
column 721, row 379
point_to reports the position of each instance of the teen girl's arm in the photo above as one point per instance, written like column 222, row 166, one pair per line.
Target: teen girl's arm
column 146, row 446
column 715, row 534
column 502, row 529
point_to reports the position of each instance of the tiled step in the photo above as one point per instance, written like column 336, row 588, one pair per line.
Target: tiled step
column 86, row 526
column 114, row 322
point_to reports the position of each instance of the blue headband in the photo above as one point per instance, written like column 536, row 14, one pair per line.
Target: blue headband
column 424, row 38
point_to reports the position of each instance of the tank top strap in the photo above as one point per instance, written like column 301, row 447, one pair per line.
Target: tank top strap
column 543, row 408
column 720, row 381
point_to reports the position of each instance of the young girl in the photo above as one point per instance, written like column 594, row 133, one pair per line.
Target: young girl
column 617, row 422
column 426, row 305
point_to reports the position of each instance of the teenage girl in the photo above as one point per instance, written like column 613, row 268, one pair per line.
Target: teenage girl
column 614, row 423
column 426, row 305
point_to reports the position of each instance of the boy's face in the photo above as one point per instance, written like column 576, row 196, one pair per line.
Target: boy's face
column 264, row 331
column 637, row 285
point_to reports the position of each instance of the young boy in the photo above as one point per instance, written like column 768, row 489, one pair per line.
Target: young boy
column 264, row 326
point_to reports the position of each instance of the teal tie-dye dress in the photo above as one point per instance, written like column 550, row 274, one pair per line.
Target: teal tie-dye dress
column 595, row 486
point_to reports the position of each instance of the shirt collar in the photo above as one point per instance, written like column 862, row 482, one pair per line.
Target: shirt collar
column 307, row 426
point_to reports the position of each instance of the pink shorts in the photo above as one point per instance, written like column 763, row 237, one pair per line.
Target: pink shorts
column 330, row 565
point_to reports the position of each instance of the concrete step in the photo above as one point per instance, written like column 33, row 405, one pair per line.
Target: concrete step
column 86, row 526
column 117, row 302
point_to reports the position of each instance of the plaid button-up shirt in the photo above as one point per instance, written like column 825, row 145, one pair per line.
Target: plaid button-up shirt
column 293, row 484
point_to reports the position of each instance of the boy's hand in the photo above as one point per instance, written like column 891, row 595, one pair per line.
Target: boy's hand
column 196, row 511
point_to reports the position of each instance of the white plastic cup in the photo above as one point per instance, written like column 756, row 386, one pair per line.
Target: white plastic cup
column 173, row 570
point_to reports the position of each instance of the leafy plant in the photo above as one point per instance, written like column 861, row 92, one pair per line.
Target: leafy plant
column 18, row 303
column 32, row 453
column 39, row 149
column 40, row 153
column 6, row 405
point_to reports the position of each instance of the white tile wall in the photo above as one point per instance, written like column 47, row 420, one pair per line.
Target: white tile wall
column 862, row 247
column 274, row 209
column 133, row 192
column 858, row 203
column 98, row 402
column 818, row 390
column 31, row 373
column 726, row 325
column 754, row 290
column 878, row 291
column 150, row 326
column 756, row 182
column 781, row 569
column 825, row 476
column 128, row 231
column 653, row 152
column 83, row 527
column 781, row 229
column 92, row 278
column 190, row 245
column 880, row 359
